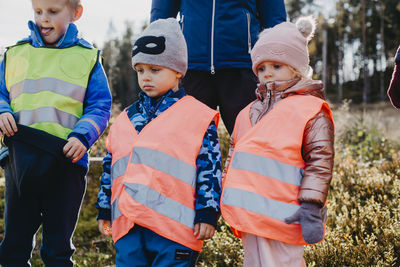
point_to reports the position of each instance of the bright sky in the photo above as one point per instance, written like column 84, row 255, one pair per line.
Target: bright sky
column 93, row 25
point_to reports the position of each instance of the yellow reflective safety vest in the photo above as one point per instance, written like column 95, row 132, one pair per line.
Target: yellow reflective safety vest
column 47, row 86
column 264, row 176
column 154, row 172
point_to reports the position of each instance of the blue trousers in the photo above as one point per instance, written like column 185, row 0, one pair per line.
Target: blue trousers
column 142, row 247
column 56, row 208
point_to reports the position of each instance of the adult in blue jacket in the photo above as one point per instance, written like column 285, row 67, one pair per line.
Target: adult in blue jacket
column 220, row 35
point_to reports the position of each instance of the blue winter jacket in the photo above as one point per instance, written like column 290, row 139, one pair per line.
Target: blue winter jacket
column 97, row 102
column 220, row 33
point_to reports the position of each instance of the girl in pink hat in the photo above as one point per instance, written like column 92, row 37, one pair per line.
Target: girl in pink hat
column 281, row 155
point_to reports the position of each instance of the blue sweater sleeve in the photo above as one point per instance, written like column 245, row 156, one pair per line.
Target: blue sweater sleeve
column 96, row 109
column 104, row 195
column 208, row 186
column 271, row 12
column 162, row 9
column 4, row 95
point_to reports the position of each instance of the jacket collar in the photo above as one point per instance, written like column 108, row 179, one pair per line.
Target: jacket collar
column 153, row 106
column 169, row 94
column 269, row 94
column 70, row 37
column 282, row 89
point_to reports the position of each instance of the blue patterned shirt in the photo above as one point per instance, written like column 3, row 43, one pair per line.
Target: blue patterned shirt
column 208, row 161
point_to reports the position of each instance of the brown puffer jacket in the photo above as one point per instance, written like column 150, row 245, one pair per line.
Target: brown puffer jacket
column 318, row 138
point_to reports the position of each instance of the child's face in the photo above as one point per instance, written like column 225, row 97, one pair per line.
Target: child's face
column 155, row 80
column 269, row 71
column 52, row 18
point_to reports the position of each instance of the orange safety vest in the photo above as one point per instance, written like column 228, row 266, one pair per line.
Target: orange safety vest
column 264, row 176
column 154, row 172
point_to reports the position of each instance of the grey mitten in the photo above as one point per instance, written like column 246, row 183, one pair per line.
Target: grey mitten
column 310, row 218
column 397, row 57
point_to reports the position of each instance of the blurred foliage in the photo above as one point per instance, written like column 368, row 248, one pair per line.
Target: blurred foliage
column 117, row 63
column 342, row 22
column 343, row 65
column 365, row 142
column 224, row 249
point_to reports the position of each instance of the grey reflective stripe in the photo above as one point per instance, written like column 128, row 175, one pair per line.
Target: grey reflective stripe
column 4, row 102
column 258, row 204
column 115, row 212
column 165, row 163
column 161, row 204
column 29, row 86
column 119, row 168
column 46, row 114
column 268, row 167
column 93, row 124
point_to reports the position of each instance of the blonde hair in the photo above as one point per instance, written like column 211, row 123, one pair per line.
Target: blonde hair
column 302, row 75
column 74, row 3
column 295, row 71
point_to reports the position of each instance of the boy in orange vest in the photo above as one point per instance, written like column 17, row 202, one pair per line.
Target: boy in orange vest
column 161, row 183
column 281, row 155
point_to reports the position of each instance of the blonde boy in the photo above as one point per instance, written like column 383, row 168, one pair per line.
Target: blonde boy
column 54, row 104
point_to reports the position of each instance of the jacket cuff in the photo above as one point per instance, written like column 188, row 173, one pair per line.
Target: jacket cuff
column 311, row 196
column 81, row 138
column 104, row 214
column 5, row 108
column 207, row 215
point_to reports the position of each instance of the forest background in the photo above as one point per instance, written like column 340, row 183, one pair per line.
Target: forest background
column 352, row 52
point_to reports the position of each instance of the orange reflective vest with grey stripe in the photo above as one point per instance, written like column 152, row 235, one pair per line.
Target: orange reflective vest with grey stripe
column 154, row 172
column 265, row 173
column 47, row 86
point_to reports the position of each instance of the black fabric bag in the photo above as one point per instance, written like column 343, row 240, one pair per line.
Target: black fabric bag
column 35, row 157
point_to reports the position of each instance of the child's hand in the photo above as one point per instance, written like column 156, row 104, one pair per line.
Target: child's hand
column 310, row 218
column 7, row 124
column 104, row 227
column 203, row 231
column 74, row 149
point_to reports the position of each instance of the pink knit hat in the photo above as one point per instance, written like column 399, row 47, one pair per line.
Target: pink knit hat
column 285, row 43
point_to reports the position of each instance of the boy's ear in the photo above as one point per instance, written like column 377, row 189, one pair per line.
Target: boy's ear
column 78, row 13
column 179, row 75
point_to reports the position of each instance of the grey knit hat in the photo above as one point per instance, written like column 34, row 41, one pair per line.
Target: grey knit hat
column 162, row 43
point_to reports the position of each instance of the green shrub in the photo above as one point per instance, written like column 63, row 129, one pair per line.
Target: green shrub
column 363, row 206
column 365, row 142
column 363, row 218
column 223, row 250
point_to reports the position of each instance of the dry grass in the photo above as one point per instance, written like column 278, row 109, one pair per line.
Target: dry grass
column 363, row 227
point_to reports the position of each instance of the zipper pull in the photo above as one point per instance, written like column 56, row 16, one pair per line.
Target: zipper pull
column 182, row 22
column 268, row 102
column 268, row 94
